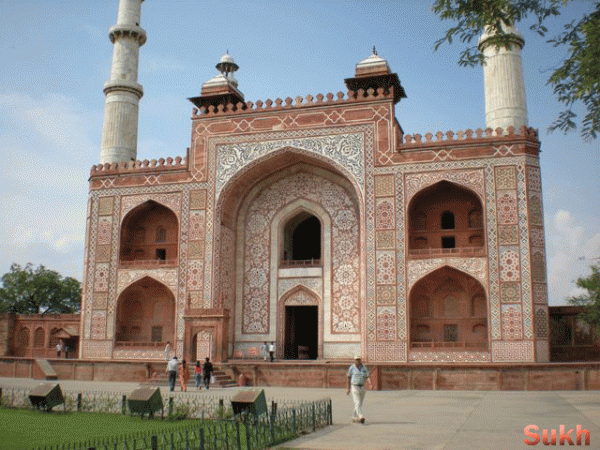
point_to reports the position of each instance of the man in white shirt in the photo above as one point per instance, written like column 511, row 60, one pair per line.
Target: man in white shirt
column 358, row 375
column 172, row 372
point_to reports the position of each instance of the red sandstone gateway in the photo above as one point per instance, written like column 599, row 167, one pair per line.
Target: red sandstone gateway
column 316, row 223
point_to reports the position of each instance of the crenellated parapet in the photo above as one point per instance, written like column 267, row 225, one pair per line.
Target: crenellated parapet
column 130, row 167
column 418, row 141
column 329, row 99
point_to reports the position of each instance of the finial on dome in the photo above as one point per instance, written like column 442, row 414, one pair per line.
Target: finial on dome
column 226, row 64
column 372, row 65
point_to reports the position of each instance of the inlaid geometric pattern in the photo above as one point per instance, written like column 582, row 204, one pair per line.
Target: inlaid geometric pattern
column 452, row 357
column 104, row 234
column 171, row 201
column 197, row 225
column 386, row 323
column 387, row 351
column 103, row 253
column 195, row 249
column 198, row 199
column 541, row 323
column 105, row 206
column 508, row 234
column 540, row 293
column 386, row 267
column 98, row 327
column 471, row 179
column 385, row 239
column 100, row 300
column 538, row 265
column 537, row 236
column 506, row 178
column 386, row 294
column 476, row 267
column 168, row 277
column 542, row 348
column 195, row 275
column 507, row 207
column 535, row 210
column 512, row 351
column 512, row 322
column 509, row 263
column 334, row 199
column 510, row 292
column 384, row 218
column 384, row 186
column 97, row 349
column 346, row 149
column 101, row 277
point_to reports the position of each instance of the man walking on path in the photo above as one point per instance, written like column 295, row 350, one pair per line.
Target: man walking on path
column 357, row 376
column 207, row 370
column 172, row 372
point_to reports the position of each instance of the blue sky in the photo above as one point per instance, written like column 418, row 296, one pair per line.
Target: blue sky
column 55, row 56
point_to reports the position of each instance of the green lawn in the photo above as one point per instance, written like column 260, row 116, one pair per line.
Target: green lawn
column 22, row 429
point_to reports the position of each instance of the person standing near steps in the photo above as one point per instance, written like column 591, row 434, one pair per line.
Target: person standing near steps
column 207, row 370
column 358, row 375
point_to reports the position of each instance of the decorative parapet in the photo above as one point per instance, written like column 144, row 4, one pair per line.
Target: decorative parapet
column 330, row 99
column 162, row 164
column 408, row 141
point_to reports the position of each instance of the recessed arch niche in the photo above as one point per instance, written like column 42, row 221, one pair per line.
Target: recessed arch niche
column 145, row 315
column 445, row 218
column 149, row 235
column 448, row 310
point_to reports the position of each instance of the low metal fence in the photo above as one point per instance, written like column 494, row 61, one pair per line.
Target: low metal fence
column 217, row 428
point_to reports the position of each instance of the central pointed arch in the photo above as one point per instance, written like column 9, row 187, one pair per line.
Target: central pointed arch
column 232, row 222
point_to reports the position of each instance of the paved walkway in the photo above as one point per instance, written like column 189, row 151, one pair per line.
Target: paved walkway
column 422, row 420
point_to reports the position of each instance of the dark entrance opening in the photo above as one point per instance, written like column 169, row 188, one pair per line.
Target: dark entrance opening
column 302, row 238
column 301, row 332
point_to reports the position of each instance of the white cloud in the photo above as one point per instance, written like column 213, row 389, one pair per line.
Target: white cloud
column 156, row 63
column 572, row 248
column 51, row 146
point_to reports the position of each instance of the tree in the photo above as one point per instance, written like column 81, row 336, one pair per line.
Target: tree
column 577, row 80
column 590, row 300
column 26, row 290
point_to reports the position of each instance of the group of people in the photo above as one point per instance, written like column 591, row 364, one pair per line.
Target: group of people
column 358, row 377
column 62, row 348
column 202, row 373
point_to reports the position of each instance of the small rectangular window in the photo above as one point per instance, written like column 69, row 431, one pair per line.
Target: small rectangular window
column 450, row 333
column 161, row 254
column 156, row 334
column 448, row 242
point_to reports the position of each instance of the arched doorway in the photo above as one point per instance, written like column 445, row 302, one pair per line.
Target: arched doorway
column 145, row 315
column 149, row 236
column 445, row 218
column 300, row 309
column 262, row 218
column 302, row 239
column 448, row 311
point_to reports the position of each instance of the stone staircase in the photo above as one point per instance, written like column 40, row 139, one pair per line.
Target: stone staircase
column 222, row 380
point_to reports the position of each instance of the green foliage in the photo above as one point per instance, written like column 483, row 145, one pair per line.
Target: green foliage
column 26, row 290
column 590, row 300
column 577, row 80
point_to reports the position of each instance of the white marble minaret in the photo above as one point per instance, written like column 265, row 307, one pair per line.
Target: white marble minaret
column 505, row 103
column 122, row 91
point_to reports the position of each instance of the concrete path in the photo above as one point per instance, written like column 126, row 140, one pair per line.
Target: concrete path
column 448, row 420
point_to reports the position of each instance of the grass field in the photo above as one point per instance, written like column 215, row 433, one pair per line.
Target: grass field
column 22, row 429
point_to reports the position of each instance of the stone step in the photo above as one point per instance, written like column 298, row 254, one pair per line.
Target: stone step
column 221, row 379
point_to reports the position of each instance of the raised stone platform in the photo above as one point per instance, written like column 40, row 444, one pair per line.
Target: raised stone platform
column 332, row 374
